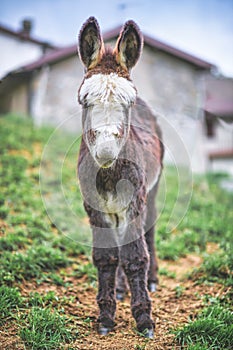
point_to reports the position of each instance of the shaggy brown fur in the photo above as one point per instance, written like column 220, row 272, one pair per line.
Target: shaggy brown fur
column 133, row 254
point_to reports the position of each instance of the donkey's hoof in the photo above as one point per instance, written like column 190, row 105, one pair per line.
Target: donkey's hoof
column 103, row 330
column 152, row 287
column 120, row 296
column 149, row 333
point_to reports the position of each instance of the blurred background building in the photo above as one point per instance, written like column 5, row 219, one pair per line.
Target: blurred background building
column 193, row 103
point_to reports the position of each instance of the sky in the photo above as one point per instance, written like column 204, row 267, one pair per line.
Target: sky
column 203, row 28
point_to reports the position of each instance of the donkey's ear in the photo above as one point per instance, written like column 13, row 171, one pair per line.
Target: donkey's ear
column 129, row 45
column 91, row 46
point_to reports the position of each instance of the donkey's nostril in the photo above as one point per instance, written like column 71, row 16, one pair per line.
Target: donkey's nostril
column 105, row 157
column 105, row 153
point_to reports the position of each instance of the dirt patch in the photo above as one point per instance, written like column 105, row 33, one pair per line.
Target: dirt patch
column 9, row 340
column 183, row 266
column 4, row 227
column 170, row 310
column 22, row 152
column 211, row 247
column 176, row 301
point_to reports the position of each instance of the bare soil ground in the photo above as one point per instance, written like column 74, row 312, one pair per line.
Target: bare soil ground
column 176, row 300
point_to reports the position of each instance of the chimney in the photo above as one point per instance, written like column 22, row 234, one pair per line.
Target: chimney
column 26, row 27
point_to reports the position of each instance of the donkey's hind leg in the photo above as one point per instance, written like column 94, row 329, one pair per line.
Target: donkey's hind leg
column 121, row 284
column 106, row 261
column 150, row 240
column 153, row 266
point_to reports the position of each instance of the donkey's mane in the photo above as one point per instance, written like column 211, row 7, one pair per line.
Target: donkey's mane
column 108, row 65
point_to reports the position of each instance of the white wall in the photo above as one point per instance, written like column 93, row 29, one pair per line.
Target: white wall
column 16, row 53
column 174, row 89
column 54, row 95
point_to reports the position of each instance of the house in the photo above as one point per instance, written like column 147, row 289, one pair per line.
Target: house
column 20, row 47
column 170, row 80
column 218, row 140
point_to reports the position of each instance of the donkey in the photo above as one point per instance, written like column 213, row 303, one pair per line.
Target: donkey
column 119, row 167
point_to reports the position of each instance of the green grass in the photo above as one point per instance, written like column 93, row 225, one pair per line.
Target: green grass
column 32, row 248
column 179, row 290
column 208, row 219
column 45, row 329
column 179, row 245
column 212, row 329
column 70, row 247
column 28, row 243
column 13, row 241
column 216, row 267
column 49, row 299
column 87, row 269
column 10, row 301
column 30, row 264
column 165, row 272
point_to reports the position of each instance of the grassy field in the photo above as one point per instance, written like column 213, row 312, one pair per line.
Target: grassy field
column 48, row 282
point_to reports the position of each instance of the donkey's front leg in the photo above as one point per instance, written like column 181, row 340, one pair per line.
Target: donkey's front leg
column 135, row 261
column 106, row 261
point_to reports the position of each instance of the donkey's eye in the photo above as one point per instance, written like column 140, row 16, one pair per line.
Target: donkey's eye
column 92, row 134
column 116, row 134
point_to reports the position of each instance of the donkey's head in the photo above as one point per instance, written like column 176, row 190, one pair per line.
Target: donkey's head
column 107, row 93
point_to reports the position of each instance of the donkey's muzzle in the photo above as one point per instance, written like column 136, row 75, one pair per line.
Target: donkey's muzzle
column 105, row 157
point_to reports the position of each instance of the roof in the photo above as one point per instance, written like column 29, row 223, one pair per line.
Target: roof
column 51, row 57
column 222, row 154
column 219, row 96
column 25, row 37
column 68, row 51
column 159, row 45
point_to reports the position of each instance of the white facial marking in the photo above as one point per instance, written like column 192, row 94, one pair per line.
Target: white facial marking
column 108, row 99
column 107, row 88
column 107, row 119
